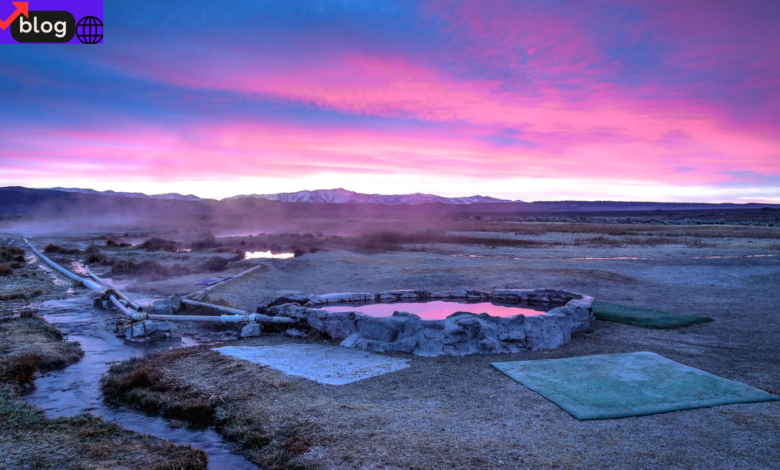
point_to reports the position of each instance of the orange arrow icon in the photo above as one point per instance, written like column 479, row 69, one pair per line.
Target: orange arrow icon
column 21, row 9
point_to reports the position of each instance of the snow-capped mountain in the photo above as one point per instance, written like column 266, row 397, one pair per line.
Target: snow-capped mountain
column 333, row 196
column 343, row 196
column 188, row 197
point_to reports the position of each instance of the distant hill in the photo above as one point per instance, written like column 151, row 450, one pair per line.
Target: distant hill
column 343, row 196
column 180, row 197
column 322, row 196
column 335, row 203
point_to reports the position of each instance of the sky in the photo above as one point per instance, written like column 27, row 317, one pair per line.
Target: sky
column 661, row 100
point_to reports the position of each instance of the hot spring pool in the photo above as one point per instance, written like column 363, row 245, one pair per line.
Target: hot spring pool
column 437, row 309
column 440, row 323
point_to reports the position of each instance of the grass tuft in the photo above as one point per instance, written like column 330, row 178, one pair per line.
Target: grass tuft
column 5, row 269
column 56, row 249
column 142, row 383
column 159, row 244
column 18, row 370
column 16, row 413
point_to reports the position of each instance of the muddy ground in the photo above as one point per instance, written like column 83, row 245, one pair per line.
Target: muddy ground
column 458, row 412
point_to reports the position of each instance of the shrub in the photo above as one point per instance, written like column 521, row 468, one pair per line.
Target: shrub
column 159, row 244
column 93, row 254
column 14, row 296
column 114, row 243
column 215, row 263
column 11, row 253
column 5, row 270
column 56, row 249
column 149, row 268
column 18, row 370
column 92, row 250
column 30, row 313
column 206, row 243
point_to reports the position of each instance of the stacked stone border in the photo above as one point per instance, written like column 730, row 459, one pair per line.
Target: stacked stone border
column 459, row 334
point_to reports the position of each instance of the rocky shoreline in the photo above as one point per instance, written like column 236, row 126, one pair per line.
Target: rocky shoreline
column 459, row 334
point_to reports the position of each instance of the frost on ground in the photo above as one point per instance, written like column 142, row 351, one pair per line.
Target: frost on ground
column 326, row 365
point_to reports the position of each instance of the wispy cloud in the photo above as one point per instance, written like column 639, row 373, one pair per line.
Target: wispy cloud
column 679, row 95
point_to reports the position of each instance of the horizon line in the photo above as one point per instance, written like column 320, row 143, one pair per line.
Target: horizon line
column 503, row 201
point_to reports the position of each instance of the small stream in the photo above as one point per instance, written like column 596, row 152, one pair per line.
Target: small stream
column 75, row 389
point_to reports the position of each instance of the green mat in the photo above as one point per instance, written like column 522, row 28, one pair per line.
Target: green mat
column 622, row 385
column 644, row 317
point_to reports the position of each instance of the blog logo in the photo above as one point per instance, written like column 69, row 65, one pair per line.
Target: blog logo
column 53, row 21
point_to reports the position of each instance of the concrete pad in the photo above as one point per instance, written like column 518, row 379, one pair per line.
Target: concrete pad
column 323, row 364
column 622, row 385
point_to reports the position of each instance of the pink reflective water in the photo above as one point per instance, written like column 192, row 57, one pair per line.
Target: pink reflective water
column 436, row 310
column 267, row 255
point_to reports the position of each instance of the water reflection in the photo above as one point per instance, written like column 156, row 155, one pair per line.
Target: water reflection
column 437, row 309
column 267, row 255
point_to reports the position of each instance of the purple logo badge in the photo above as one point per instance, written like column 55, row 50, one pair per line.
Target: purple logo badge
column 51, row 21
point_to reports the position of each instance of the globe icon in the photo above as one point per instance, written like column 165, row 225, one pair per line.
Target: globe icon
column 89, row 30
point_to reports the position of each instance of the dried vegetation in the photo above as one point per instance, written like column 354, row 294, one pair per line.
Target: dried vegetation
column 154, row 383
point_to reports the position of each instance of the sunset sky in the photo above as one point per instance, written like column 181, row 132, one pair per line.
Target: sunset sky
column 667, row 100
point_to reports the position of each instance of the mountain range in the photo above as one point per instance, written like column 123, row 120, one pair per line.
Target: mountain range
column 343, row 196
column 331, row 196
column 29, row 202
column 176, row 196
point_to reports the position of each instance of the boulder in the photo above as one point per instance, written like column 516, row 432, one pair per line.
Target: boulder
column 287, row 297
column 343, row 297
column 337, row 325
column 291, row 310
column 139, row 329
column 295, row 333
column 167, row 306
column 405, row 294
column 454, row 294
column 543, row 332
column 250, row 330
column 382, row 329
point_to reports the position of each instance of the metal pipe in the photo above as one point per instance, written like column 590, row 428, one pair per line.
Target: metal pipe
column 240, row 315
column 237, row 316
column 121, row 307
column 85, row 282
column 202, row 292
column 93, row 276
column 256, row 317
column 221, row 308
column 122, row 295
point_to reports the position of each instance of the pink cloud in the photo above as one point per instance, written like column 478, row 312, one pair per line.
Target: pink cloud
column 515, row 91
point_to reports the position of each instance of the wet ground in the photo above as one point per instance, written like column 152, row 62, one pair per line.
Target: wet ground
column 75, row 389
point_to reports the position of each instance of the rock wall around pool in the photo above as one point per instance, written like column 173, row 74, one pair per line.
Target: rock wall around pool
column 459, row 334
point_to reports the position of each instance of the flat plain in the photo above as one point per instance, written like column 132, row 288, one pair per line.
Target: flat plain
column 458, row 412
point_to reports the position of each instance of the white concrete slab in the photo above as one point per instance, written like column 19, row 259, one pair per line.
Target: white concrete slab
column 323, row 364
